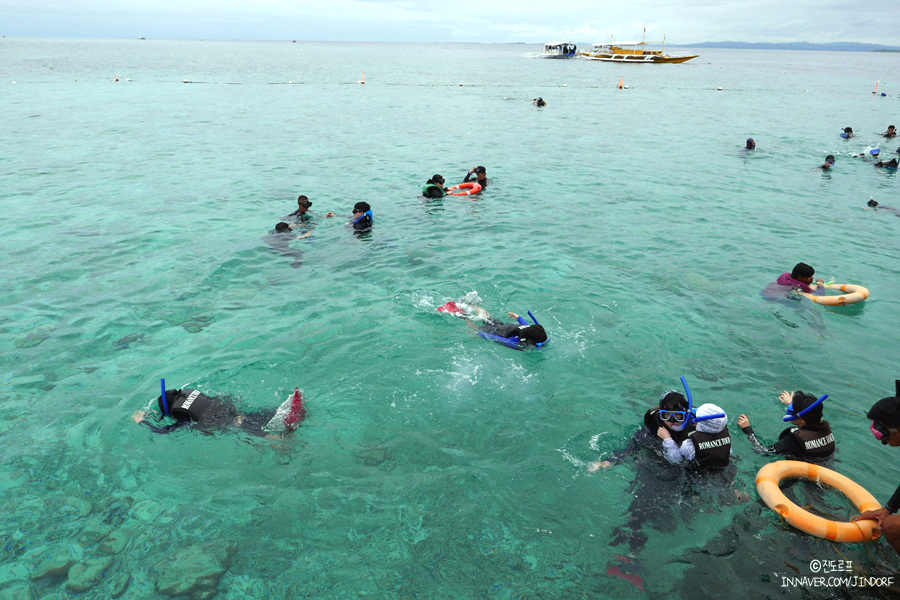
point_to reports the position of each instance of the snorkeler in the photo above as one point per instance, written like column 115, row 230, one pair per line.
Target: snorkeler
column 887, row 164
column 192, row 409
column 751, row 144
column 800, row 278
column 280, row 238
column 539, row 102
column 829, row 162
column 434, row 187
column 874, row 204
column 302, row 213
column 808, row 438
column 480, row 174
column 362, row 217
column 517, row 335
column 708, row 446
column 848, row 133
column 890, row 133
column 885, row 417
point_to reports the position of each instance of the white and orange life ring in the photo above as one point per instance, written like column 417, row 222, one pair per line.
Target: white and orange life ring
column 770, row 476
column 471, row 187
column 852, row 294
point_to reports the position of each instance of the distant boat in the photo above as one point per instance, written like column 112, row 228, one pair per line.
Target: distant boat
column 633, row 52
column 558, row 50
column 142, row 38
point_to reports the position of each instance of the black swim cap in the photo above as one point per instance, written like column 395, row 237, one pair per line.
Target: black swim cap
column 673, row 400
column 437, row 179
column 533, row 333
column 887, row 410
column 802, row 270
column 848, row 129
column 361, row 207
column 282, row 227
column 480, row 170
column 801, row 401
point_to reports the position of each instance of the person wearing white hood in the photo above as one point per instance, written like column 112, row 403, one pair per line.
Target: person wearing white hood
column 709, row 445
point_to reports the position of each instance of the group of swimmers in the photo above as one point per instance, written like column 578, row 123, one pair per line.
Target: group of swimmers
column 874, row 152
column 434, row 187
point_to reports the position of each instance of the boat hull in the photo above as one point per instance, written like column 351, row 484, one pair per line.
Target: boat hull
column 637, row 58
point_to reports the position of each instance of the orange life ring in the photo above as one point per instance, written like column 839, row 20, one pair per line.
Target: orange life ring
column 471, row 187
column 852, row 294
column 767, row 481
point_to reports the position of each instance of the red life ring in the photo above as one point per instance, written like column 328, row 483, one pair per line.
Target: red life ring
column 472, row 187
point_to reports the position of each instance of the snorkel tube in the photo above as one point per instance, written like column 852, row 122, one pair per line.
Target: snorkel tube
column 691, row 416
column 165, row 402
column 542, row 344
column 368, row 213
column 792, row 415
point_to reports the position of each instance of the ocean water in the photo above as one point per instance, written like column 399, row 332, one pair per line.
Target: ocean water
column 433, row 464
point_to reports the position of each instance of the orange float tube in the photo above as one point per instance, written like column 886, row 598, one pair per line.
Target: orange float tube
column 471, row 187
column 770, row 476
column 852, row 294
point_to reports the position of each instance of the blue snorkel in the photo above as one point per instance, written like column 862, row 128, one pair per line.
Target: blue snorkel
column 792, row 415
column 162, row 383
column 691, row 415
column 368, row 213
column 541, row 345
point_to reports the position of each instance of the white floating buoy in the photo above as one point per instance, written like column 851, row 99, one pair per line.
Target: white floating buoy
column 127, row 79
column 720, row 88
column 291, row 82
column 460, row 84
column 565, row 85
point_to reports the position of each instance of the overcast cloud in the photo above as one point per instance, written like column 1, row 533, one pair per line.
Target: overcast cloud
column 487, row 21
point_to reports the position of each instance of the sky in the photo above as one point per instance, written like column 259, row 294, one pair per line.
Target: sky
column 486, row 21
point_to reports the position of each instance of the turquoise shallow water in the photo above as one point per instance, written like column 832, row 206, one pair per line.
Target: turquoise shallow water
column 433, row 463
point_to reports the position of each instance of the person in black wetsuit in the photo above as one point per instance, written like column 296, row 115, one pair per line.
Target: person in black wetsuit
column 192, row 409
column 302, row 213
column 657, row 488
column 539, row 102
column 875, row 204
column 890, row 133
column 434, row 187
column 885, row 417
column 751, row 144
column 517, row 335
column 280, row 238
column 480, row 175
column 810, row 438
column 887, row 164
column 362, row 217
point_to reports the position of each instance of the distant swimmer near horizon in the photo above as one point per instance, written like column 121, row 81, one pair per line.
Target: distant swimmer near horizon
column 751, row 144
column 848, row 133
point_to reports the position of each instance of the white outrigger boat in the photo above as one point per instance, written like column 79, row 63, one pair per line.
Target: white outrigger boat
column 632, row 52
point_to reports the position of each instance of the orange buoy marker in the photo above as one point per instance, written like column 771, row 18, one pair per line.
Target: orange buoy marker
column 363, row 80
column 876, row 86
column 621, row 83
column 768, row 478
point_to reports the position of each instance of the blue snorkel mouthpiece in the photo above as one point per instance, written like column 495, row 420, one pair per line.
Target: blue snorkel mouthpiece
column 165, row 402
column 792, row 415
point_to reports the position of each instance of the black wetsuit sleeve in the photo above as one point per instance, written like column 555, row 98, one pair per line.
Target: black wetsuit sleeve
column 167, row 428
column 758, row 446
column 468, row 177
column 893, row 504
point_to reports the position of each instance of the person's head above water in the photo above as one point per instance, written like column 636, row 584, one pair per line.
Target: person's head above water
column 717, row 423
column 673, row 407
column 885, row 417
column 361, row 207
column 303, row 204
column 802, row 401
column 829, row 160
column 436, row 179
column 848, row 130
column 282, row 227
column 803, row 272
column 534, row 334
column 751, row 144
